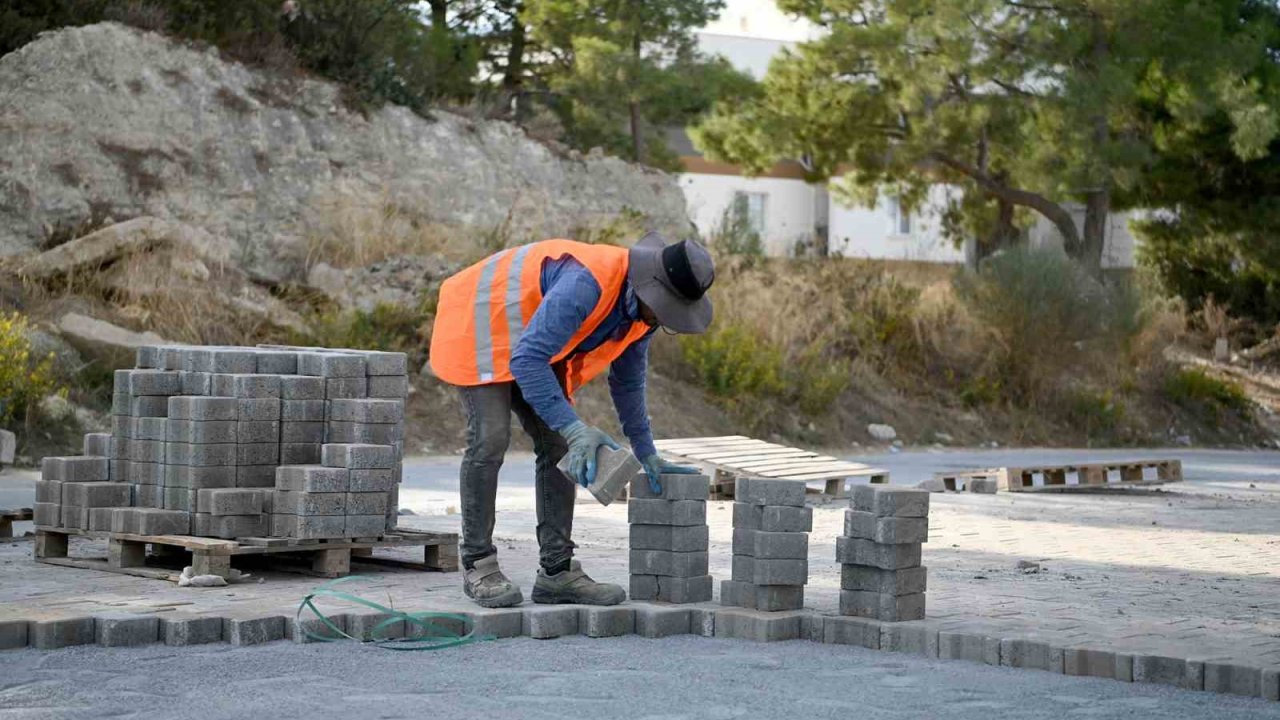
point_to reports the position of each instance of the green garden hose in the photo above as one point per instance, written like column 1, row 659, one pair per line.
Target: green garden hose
column 422, row 630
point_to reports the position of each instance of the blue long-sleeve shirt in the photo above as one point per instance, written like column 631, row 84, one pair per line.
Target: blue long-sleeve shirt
column 569, row 294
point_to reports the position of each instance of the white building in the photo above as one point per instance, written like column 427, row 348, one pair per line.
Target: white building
column 790, row 213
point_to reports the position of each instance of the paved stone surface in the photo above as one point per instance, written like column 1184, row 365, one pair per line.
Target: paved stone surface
column 1186, row 571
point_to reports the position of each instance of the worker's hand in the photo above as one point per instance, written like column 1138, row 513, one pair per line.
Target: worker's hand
column 655, row 466
column 584, row 441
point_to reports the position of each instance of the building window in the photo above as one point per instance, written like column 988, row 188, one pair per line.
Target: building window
column 750, row 205
column 899, row 218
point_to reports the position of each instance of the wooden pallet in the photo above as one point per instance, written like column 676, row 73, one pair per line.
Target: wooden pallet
column 1067, row 478
column 734, row 455
column 127, row 553
column 9, row 517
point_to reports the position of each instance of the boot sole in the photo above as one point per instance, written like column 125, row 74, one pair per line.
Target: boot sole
column 548, row 597
column 506, row 600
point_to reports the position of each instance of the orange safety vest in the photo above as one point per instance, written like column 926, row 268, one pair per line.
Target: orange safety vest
column 484, row 309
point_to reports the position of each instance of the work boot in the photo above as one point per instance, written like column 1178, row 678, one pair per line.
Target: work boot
column 573, row 586
column 486, row 584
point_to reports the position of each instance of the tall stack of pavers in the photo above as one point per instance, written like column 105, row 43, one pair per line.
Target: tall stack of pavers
column 204, row 440
column 669, row 539
column 881, row 576
column 770, row 546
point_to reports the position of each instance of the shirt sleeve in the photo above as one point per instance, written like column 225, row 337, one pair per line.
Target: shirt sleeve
column 626, row 385
column 565, row 307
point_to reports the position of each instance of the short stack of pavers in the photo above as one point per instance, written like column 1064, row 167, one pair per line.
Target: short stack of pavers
column 669, row 539
column 346, row 496
column 881, row 576
column 770, row 546
column 200, row 434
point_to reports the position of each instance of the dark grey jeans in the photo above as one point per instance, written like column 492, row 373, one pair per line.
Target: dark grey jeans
column 489, row 409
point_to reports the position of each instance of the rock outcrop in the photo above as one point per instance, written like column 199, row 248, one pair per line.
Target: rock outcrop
column 106, row 121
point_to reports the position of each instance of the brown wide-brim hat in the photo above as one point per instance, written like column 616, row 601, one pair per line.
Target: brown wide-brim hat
column 673, row 281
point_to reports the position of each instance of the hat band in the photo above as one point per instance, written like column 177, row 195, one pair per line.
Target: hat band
column 675, row 260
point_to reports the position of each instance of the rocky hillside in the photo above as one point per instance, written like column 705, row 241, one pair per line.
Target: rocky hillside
column 108, row 122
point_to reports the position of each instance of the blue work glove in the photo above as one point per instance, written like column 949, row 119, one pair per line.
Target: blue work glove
column 584, row 442
column 655, row 466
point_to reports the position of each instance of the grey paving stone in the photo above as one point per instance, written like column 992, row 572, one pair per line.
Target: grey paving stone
column 331, row 365
column 1270, row 684
column 207, row 455
column 653, row 621
column 1124, row 667
column 780, row 572
column 230, row 527
column 886, row 501
column 160, row 522
column 299, row 453
column 49, row 491
column 182, row 499
column 100, row 519
column 149, row 406
column 257, row 409
column 667, row 512
column 97, row 444
column 1031, row 654
column 364, row 433
column 256, row 476
column 120, row 403
column 365, row 525
column 146, row 356
column 197, row 478
column 747, row 516
column 892, row 582
column 743, row 568
column 968, row 646
column 201, row 432
column 856, row 551
column 598, row 622
column 233, row 361
column 683, row 590
column 230, row 501
column 358, row 456
column 47, row 514
column 916, row 638
column 735, row 593
column 203, row 408
column 253, row 630
column 780, row 518
column 125, row 630
column 297, row 629
column 1231, row 678
column 373, row 481
column 301, row 387
column 885, row 530
column 500, row 623
column 13, row 634
column 671, row 564
column 96, row 494
column 370, row 503
column 1089, row 662
column 702, row 621
column 302, row 410
column 75, row 469
column 381, row 364
column 375, row 626
column 314, row 527
column 389, row 386
column 771, row 598
column 148, row 451
column 302, row 432
column 813, row 627
column 676, row 538
column 198, row 360
column 852, row 631
column 277, row 362
column 346, row 387
column 366, row 411
column 258, row 453
column 643, row 587
column 148, row 496
column 780, row 545
column 196, row 383
column 543, row 623
column 674, row 487
column 60, row 633
column 882, row 606
column 154, row 382
column 315, row 478
column 309, row 503
column 759, row 491
column 258, row 431
column 1165, row 670
column 757, row 626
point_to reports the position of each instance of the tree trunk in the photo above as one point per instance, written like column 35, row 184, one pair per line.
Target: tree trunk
column 633, row 108
column 1097, row 199
column 439, row 13
column 513, row 76
column 1097, row 210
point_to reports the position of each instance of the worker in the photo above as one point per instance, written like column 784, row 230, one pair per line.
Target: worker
column 521, row 331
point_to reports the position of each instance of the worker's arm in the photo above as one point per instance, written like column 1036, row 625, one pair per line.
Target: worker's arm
column 627, row 385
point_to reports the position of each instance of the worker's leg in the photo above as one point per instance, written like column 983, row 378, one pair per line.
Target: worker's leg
column 556, row 493
column 488, row 409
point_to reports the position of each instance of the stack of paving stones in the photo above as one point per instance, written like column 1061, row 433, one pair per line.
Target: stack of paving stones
column 199, row 435
column 345, row 496
column 880, row 575
column 770, row 546
column 669, row 539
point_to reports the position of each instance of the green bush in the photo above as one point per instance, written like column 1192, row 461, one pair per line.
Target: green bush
column 733, row 235
column 387, row 327
column 25, row 379
column 1194, row 388
column 731, row 361
column 1098, row 414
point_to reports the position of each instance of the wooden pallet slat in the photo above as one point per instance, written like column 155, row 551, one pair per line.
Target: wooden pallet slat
column 1070, row 476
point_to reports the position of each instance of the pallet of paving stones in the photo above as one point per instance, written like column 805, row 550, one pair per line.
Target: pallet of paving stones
column 1061, row 478
column 328, row 557
column 738, row 455
column 9, row 516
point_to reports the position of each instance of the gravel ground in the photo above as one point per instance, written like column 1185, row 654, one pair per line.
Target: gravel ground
column 682, row 677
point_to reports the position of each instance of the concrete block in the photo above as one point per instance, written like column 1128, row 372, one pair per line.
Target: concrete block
column 235, row 361
column 600, row 622
column 358, row 456
column 301, row 630
column 302, row 432
column 389, row 386
column 154, row 382
column 752, row 625
column 382, row 364
column 684, row 590
column 653, row 621
column 182, row 499
column 148, row 496
column 258, row 454
column 365, row 525
column 1270, row 684
column 197, row 478
column 890, row 582
column 208, row 409
column 1164, row 670
column 301, row 387
column 367, row 433
column 368, row 626
column 772, row 598
column 1124, row 667
column 100, row 519
column 121, row 427
column 747, row 516
column 743, row 569
column 286, row 526
column 76, row 518
column 734, row 593
column 147, row 356
column 314, row 527
column 1223, row 677
column 500, row 623
column 120, row 403
column 147, row 451
column 96, row 494
column 257, row 409
column 172, row 357
column 149, row 406
column 76, row 469
column 314, row 478
column 196, row 383
column 150, row 428
column 785, row 519
column 542, row 623
column 346, row 387
column 309, row 503
column 667, row 512
column 277, row 362
column 891, row 608
column 674, row 538
column 257, row 431
column 674, row 487
column 47, row 514
column 125, row 520
column 253, row 630
column 183, row 630
column 702, row 621
column 60, row 633
column 852, row 631
column 916, row 638
column 643, row 587
column 49, row 491
column 230, row 501
column 759, row 491
column 299, row 453
column 891, row 501
column 210, row 455
column 146, row 473
column 302, row 410
column 1088, row 662
column 331, row 365
column 256, row 476
column 813, row 627
column 885, row 530
column 671, row 564
column 371, row 503
column 201, row 432
column 97, row 444
column 197, row 359
column 965, row 646
column 1031, row 654
column 857, row 551
column 122, row 630
column 780, row 572
column 781, row 545
column 13, row 634
column 366, row 411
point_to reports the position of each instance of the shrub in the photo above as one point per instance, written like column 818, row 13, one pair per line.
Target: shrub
column 733, row 235
column 731, row 361
column 388, row 327
column 25, row 380
column 1195, row 388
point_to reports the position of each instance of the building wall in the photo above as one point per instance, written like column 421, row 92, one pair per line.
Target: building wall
column 858, row 231
column 791, row 206
column 1120, row 248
